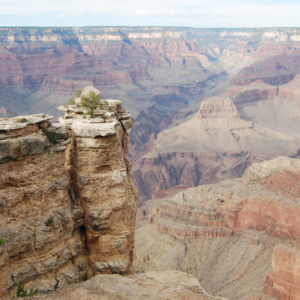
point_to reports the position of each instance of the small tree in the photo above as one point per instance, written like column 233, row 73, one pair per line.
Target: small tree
column 91, row 102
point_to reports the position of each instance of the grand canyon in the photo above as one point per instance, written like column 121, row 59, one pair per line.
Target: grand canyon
column 214, row 150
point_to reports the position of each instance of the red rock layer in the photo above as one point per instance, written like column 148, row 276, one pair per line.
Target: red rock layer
column 266, row 204
column 190, row 233
column 284, row 277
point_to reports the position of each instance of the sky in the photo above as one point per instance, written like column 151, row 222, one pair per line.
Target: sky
column 191, row 13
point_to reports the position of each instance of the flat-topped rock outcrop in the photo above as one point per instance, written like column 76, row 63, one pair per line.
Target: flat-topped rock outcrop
column 218, row 142
column 218, row 127
column 217, row 107
column 67, row 201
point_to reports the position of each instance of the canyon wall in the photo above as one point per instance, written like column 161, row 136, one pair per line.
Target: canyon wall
column 239, row 237
column 67, row 201
column 283, row 278
column 163, row 74
column 219, row 141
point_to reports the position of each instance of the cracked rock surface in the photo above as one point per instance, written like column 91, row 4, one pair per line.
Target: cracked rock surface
column 67, row 201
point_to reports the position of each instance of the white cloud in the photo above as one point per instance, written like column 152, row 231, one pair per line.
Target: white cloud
column 162, row 12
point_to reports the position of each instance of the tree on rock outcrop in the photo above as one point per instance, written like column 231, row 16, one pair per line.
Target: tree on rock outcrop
column 91, row 102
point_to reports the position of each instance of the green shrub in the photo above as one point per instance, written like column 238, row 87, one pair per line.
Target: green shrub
column 71, row 101
column 1, row 241
column 21, row 120
column 52, row 136
column 85, row 277
column 23, row 293
column 78, row 93
column 49, row 222
column 91, row 102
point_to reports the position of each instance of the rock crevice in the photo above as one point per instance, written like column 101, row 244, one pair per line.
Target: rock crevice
column 67, row 201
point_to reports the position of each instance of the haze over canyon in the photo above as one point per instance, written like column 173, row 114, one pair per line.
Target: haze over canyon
column 214, row 151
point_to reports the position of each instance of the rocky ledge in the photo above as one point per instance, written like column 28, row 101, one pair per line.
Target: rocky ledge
column 67, row 201
column 161, row 285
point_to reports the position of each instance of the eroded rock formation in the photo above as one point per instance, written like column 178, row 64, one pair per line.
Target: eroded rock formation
column 67, row 202
column 162, row 74
column 217, row 142
column 283, row 278
column 239, row 237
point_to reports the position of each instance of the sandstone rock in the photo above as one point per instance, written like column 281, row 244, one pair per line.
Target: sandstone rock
column 18, row 148
column 218, row 107
column 86, row 129
column 67, row 202
column 113, row 103
column 78, row 101
column 23, row 125
column 283, row 278
column 86, row 90
column 151, row 285
column 10, row 124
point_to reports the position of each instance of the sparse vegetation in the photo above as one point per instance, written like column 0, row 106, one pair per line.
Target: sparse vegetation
column 49, row 221
column 71, row 101
column 21, row 120
column 91, row 102
column 52, row 136
column 21, row 292
column 1, row 241
column 85, row 277
column 78, row 93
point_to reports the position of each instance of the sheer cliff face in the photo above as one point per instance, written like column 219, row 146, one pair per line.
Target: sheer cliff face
column 239, row 237
column 67, row 202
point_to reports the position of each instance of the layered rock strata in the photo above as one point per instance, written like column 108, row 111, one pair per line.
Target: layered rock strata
column 219, row 141
column 284, row 276
column 224, row 234
column 218, row 127
column 67, row 202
